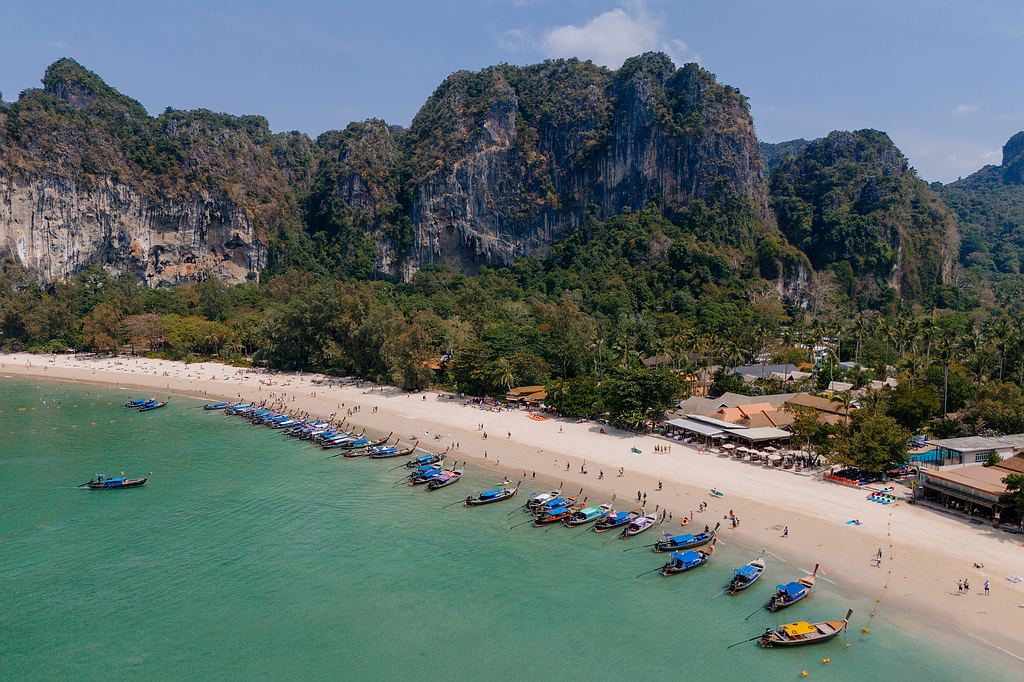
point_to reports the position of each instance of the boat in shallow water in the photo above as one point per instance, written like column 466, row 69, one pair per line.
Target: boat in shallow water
column 802, row 632
column 101, row 482
column 492, row 496
column 424, row 460
column 536, row 500
column 215, row 406
column 446, row 478
column 614, row 520
column 790, row 593
column 587, row 515
column 746, row 576
column 139, row 402
column 639, row 525
column 152, row 405
column 680, row 562
column 685, row 541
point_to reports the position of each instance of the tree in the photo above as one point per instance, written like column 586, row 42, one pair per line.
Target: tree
column 578, row 397
column 1015, row 484
column 998, row 406
column 635, row 394
column 727, row 381
column 877, row 443
column 993, row 459
column 102, row 328
column 912, row 407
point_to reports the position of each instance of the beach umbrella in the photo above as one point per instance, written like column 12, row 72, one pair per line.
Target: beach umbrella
column 728, row 446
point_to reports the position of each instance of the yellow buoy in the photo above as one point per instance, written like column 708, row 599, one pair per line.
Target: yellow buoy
column 847, row 645
column 865, row 630
column 826, row 660
column 803, row 673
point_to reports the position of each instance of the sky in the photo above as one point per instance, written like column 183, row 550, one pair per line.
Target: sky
column 942, row 77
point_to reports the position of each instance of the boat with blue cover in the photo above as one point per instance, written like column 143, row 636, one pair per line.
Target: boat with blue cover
column 614, row 520
column 427, row 474
column 535, row 500
column 215, row 406
column 639, row 525
column 492, row 496
column 447, row 478
column 686, row 540
column 587, row 515
column 423, row 460
column 554, row 515
column 746, row 576
column 392, row 451
column 152, row 405
column 680, row 562
column 138, row 402
column 101, row 482
column 790, row 593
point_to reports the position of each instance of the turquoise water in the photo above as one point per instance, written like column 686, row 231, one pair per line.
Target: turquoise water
column 249, row 555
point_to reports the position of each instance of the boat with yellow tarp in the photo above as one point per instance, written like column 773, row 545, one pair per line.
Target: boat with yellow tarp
column 802, row 632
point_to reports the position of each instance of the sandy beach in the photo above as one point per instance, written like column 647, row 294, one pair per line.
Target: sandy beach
column 925, row 552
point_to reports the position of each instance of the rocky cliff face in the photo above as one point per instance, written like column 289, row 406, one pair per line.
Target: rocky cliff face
column 851, row 202
column 88, row 177
column 990, row 208
column 504, row 161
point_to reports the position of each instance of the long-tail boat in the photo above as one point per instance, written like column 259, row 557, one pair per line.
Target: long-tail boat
column 215, row 406
column 445, row 479
column 537, row 499
column 746, row 576
column 554, row 515
column 685, row 541
column 557, row 502
column 802, row 632
column 101, row 482
column 138, row 402
column 152, row 405
column 393, row 451
column 424, row 460
column 615, row 520
column 680, row 562
column 430, row 474
column 587, row 515
column 790, row 593
column 639, row 525
column 492, row 496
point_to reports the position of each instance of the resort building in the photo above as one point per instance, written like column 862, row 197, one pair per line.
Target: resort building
column 752, row 373
column 975, row 489
column 969, row 449
column 711, row 430
column 829, row 411
column 527, row 395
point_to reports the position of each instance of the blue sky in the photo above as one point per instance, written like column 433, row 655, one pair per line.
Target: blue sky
column 943, row 78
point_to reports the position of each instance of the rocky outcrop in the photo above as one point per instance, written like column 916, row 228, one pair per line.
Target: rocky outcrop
column 507, row 160
column 56, row 227
column 88, row 177
column 851, row 202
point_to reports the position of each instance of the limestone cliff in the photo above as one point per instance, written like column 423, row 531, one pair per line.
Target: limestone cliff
column 88, row 177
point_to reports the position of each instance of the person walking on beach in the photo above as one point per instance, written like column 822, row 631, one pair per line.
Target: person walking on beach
column 986, row 588
column 785, row 532
column 960, row 587
column 967, row 586
column 659, row 485
column 600, row 474
column 637, row 495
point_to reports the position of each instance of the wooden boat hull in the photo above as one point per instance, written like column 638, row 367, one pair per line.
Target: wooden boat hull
column 480, row 501
column 804, row 633
column 127, row 483
column 778, row 604
column 545, row 520
column 601, row 526
column 736, row 588
column 437, row 484
column 150, row 408
column 675, row 569
column 669, row 547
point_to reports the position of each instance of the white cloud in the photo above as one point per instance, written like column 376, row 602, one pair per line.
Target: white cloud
column 610, row 38
column 513, row 40
column 965, row 109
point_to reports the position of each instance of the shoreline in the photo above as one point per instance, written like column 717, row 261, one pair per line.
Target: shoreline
column 925, row 553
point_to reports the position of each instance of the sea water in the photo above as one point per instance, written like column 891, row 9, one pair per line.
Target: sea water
column 250, row 555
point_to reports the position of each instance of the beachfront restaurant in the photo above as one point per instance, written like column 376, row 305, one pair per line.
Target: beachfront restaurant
column 975, row 490
column 708, row 429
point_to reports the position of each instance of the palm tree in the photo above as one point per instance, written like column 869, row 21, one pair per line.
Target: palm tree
column 946, row 348
column 502, row 375
column 845, row 398
column 873, row 400
column 1000, row 334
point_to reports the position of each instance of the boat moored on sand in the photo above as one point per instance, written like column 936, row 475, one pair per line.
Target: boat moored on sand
column 639, row 525
column 587, row 515
column 446, row 478
column 614, row 520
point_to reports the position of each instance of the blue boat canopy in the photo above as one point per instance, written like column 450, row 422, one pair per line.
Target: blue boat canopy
column 113, row 480
column 491, row 493
column 557, row 510
column 747, row 571
column 620, row 515
column 793, row 589
column 682, row 538
column 686, row 558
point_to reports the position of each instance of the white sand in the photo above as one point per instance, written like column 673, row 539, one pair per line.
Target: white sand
column 925, row 552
